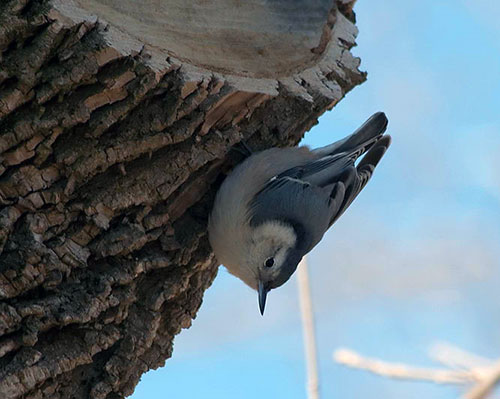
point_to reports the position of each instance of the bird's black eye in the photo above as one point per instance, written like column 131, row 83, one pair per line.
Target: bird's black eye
column 269, row 262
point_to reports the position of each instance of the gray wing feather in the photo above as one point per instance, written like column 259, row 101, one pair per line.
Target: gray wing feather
column 320, row 172
column 307, row 208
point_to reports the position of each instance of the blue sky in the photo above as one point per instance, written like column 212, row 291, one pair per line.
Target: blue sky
column 415, row 259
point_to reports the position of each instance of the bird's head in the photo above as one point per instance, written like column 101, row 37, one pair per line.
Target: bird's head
column 272, row 256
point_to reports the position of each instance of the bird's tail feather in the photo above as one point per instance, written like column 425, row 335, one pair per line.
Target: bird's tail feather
column 375, row 154
column 360, row 140
column 354, row 179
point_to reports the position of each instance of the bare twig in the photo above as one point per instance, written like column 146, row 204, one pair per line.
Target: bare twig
column 398, row 370
column 457, row 358
column 308, row 330
column 465, row 368
column 486, row 385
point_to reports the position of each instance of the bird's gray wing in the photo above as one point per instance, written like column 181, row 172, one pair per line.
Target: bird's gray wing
column 308, row 208
column 313, row 209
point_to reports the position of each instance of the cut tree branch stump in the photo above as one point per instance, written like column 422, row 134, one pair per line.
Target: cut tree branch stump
column 116, row 123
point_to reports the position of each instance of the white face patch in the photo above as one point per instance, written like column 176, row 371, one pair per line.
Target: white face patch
column 245, row 259
column 269, row 240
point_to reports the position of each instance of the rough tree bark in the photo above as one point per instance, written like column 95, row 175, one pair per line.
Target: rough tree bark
column 116, row 124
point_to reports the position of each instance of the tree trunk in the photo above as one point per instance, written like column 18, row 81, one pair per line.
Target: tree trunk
column 116, row 123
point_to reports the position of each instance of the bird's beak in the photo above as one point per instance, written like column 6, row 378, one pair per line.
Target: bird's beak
column 262, row 297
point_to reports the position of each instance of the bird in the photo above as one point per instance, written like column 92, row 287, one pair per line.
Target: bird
column 276, row 205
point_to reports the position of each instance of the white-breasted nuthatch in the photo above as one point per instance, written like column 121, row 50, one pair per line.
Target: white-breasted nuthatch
column 276, row 205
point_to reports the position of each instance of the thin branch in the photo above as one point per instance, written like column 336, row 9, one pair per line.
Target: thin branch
column 308, row 330
column 397, row 370
column 465, row 368
column 485, row 386
column 457, row 358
